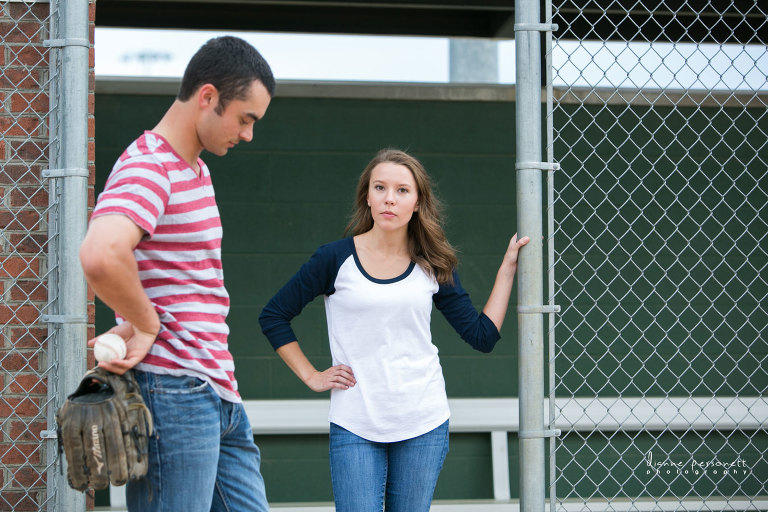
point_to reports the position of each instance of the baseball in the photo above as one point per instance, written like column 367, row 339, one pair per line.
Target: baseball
column 108, row 347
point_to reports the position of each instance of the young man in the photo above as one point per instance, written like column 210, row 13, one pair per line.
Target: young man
column 152, row 253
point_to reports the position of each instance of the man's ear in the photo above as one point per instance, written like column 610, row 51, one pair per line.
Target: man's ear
column 207, row 96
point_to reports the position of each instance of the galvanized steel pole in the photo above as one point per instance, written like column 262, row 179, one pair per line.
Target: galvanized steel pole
column 70, row 172
column 530, row 267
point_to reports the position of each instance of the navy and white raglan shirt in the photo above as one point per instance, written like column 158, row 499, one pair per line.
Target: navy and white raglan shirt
column 381, row 329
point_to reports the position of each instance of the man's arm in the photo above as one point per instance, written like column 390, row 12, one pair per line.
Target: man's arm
column 111, row 270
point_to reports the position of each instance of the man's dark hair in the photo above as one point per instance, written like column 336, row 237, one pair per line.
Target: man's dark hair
column 229, row 64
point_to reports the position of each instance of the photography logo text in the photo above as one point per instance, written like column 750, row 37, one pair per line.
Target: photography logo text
column 711, row 466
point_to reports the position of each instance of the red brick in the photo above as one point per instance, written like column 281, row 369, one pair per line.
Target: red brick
column 26, row 431
column 28, row 314
column 41, row 11
column 21, row 126
column 28, row 243
column 20, row 407
column 20, row 220
column 28, row 477
column 21, row 174
column 29, row 383
column 23, row 406
column 14, row 360
column 20, row 78
column 29, row 290
column 29, row 101
column 28, row 151
column 27, row 12
column 20, row 501
column 19, row 267
column 28, row 55
column 24, row 314
column 22, row 32
column 25, row 220
column 28, row 337
column 33, row 196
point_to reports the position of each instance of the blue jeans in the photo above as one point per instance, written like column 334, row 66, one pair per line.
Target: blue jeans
column 401, row 476
column 202, row 456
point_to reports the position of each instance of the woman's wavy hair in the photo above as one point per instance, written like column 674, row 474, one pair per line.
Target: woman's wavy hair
column 427, row 243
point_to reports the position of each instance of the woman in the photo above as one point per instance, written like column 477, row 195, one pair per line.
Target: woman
column 389, row 410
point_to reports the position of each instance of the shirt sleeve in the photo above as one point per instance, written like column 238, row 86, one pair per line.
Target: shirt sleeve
column 138, row 190
column 476, row 329
column 315, row 277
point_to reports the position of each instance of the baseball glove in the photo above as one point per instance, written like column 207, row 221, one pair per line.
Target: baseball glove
column 103, row 429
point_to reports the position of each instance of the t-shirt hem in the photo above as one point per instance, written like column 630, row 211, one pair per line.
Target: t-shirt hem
column 393, row 436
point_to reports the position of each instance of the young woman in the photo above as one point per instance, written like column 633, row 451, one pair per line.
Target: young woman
column 389, row 410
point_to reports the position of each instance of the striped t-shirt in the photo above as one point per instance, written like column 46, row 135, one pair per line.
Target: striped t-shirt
column 179, row 259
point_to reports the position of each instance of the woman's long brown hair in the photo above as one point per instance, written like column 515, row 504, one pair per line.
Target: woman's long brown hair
column 427, row 243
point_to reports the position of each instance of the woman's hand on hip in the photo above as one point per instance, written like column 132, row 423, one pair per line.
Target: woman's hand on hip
column 335, row 377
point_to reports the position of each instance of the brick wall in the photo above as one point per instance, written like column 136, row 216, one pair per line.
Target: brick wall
column 24, row 152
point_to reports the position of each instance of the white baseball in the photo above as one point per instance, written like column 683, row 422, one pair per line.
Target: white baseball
column 108, row 347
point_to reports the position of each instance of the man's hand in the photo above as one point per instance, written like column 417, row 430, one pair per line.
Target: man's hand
column 137, row 343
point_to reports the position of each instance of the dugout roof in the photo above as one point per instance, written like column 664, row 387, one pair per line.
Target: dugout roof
column 737, row 21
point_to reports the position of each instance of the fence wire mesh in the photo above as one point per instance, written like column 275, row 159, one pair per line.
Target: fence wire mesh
column 25, row 146
column 661, row 256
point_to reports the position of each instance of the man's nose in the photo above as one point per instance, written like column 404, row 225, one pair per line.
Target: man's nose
column 247, row 134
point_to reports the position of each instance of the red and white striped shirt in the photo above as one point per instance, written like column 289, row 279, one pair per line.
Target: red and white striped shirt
column 179, row 259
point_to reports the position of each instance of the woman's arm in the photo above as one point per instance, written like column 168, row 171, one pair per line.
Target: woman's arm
column 496, row 307
column 339, row 377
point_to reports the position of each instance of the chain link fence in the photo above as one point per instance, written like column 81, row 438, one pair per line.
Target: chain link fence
column 661, row 236
column 26, row 369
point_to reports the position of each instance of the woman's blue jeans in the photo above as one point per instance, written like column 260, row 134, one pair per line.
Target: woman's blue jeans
column 202, row 456
column 401, row 476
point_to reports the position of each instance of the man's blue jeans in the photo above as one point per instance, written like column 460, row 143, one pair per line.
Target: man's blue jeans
column 201, row 457
column 367, row 475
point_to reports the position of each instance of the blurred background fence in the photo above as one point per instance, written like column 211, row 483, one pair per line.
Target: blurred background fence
column 661, row 242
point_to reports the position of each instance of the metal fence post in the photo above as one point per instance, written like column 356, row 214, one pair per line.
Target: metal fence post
column 530, row 284
column 71, row 185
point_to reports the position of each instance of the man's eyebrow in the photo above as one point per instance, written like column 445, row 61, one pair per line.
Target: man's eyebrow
column 252, row 116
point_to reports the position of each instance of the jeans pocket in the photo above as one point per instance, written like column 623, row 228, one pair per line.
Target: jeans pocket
column 182, row 385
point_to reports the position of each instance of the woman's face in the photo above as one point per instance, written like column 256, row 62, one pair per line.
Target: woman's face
column 392, row 196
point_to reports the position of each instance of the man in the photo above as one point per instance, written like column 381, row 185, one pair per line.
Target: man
column 152, row 253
